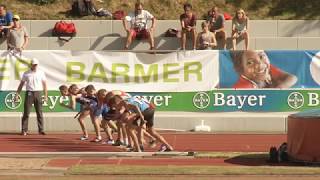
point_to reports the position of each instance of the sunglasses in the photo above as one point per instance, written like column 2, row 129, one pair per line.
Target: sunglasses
column 15, row 19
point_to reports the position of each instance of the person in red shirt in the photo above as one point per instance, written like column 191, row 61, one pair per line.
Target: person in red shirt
column 188, row 24
column 255, row 71
column 135, row 23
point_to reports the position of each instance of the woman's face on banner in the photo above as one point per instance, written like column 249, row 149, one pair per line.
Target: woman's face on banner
column 255, row 66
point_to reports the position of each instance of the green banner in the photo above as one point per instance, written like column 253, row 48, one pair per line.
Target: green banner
column 210, row 101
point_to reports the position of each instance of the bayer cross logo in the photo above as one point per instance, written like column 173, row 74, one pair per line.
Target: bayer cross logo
column 10, row 101
column 201, row 100
column 295, row 100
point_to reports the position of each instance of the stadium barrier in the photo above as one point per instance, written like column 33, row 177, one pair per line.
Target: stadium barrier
column 191, row 86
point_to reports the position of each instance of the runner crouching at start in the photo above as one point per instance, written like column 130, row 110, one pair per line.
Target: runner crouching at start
column 138, row 114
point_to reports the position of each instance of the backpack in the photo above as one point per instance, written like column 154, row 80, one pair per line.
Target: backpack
column 75, row 8
column 89, row 7
column 283, row 152
column 83, row 8
column 118, row 15
column 273, row 155
column 103, row 12
column 63, row 28
column 171, row 33
column 227, row 16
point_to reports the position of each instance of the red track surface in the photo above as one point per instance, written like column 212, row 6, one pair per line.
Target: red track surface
column 181, row 142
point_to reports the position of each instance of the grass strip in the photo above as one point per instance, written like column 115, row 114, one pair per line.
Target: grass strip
column 248, row 155
column 191, row 170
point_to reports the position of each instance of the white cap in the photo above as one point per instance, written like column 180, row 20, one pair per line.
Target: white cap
column 34, row 61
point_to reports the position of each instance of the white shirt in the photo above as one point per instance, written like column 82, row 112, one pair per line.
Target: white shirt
column 139, row 21
column 34, row 80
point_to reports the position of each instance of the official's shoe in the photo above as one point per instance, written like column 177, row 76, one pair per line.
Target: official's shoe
column 24, row 133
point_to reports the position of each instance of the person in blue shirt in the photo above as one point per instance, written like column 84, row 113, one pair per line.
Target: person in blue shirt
column 5, row 21
column 136, row 109
column 99, row 109
column 108, row 114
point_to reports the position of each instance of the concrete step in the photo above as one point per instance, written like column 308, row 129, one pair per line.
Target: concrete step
column 164, row 43
column 257, row 28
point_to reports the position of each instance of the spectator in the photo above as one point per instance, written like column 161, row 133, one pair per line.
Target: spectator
column 35, row 81
column 188, row 24
column 240, row 27
column 216, row 25
column 18, row 35
column 138, row 25
column 5, row 21
column 255, row 71
column 206, row 40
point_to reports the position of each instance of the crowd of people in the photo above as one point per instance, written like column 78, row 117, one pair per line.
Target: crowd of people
column 136, row 26
column 130, row 116
column 213, row 29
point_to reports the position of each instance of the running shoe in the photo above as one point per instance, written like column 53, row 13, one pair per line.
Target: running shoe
column 164, row 148
column 84, row 138
column 130, row 149
column 110, row 142
column 42, row 133
column 98, row 139
column 118, row 143
column 152, row 143
column 141, row 148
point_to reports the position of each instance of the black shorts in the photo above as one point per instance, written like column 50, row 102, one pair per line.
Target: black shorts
column 148, row 115
column 3, row 33
column 110, row 115
column 84, row 108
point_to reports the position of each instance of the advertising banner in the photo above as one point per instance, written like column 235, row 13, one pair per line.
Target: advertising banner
column 132, row 72
column 227, row 100
column 269, row 69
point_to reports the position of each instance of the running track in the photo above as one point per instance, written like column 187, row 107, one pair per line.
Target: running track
column 180, row 141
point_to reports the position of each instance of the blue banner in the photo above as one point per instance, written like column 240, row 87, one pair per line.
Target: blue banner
column 269, row 69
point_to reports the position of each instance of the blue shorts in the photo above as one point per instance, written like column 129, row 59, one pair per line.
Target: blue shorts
column 98, row 111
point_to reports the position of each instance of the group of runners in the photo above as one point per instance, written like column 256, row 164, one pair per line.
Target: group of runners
column 132, row 117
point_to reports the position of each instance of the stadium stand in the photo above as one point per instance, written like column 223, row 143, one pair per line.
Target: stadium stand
column 110, row 35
